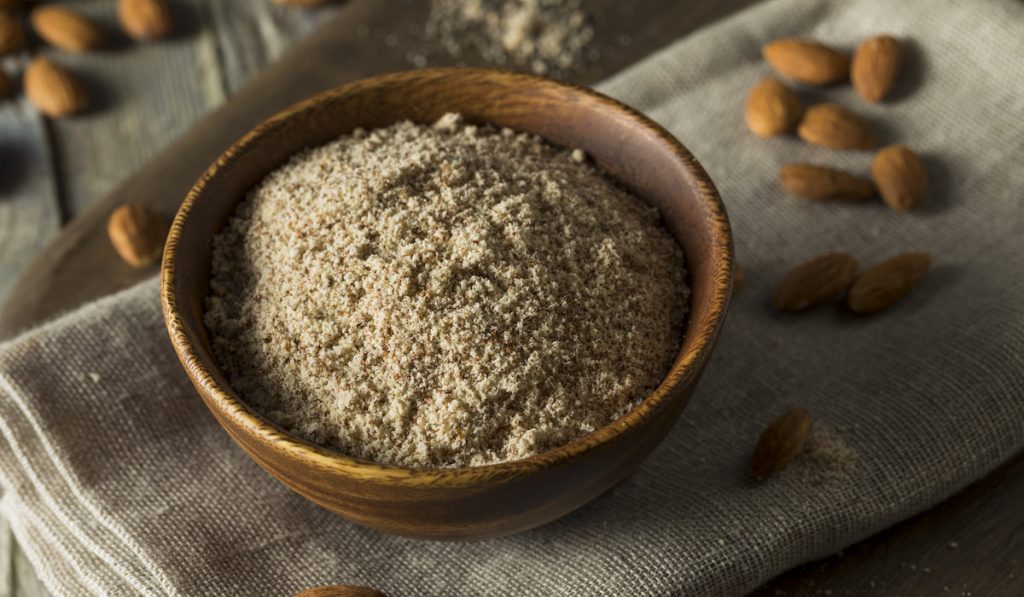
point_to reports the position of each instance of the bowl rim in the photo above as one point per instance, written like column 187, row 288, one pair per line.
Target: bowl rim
column 686, row 366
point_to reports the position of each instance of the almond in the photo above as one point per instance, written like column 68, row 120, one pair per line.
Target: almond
column 780, row 442
column 831, row 125
column 145, row 20
column 66, row 29
column 807, row 61
column 900, row 176
column 885, row 283
column 52, row 89
column 814, row 282
column 137, row 234
column 874, row 67
column 818, row 182
column 772, row 109
column 12, row 36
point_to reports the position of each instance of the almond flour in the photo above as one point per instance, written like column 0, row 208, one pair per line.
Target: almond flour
column 543, row 36
column 446, row 295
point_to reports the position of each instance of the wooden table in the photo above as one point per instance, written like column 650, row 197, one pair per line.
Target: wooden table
column 148, row 95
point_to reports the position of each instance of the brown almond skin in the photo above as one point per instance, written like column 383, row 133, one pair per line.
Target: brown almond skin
column 833, row 126
column 887, row 282
column 66, row 29
column 822, row 183
column 52, row 89
column 875, row 66
column 780, row 442
column 814, row 282
column 900, row 176
column 807, row 61
column 145, row 20
column 137, row 234
column 772, row 109
column 12, row 36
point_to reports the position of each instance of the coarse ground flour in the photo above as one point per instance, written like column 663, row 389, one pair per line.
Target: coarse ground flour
column 446, row 295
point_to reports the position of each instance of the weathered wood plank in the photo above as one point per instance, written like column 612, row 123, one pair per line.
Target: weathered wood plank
column 251, row 35
column 141, row 96
column 29, row 211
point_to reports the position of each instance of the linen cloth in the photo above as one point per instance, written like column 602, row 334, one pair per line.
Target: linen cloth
column 116, row 479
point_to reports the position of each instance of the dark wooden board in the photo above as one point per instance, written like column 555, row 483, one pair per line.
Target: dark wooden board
column 367, row 37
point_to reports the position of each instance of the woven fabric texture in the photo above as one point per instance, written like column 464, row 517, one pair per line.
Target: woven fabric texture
column 116, row 479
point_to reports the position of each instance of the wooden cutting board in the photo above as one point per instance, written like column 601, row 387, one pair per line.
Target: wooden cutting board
column 973, row 543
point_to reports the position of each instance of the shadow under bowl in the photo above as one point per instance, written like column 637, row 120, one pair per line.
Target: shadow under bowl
column 484, row 501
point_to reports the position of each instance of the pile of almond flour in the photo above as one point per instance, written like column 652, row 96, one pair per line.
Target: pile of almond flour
column 445, row 295
column 542, row 36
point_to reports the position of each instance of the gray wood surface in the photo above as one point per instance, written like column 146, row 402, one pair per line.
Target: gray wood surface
column 229, row 40
column 142, row 96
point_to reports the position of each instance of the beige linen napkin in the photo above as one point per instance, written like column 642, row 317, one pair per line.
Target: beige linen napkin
column 116, row 479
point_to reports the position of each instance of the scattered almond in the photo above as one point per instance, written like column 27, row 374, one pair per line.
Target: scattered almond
column 874, row 67
column 52, row 89
column 780, row 442
column 814, row 282
column 807, row 61
column 12, row 36
column 831, row 125
column 66, row 29
column 137, row 234
column 145, row 20
column 900, row 176
column 772, row 109
column 818, row 182
column 885, row 283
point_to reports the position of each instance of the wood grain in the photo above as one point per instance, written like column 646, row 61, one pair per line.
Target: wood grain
column 29, row 211
column 484, row 501
column 984, row 520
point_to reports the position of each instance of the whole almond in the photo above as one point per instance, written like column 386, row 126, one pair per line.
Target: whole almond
column 874, row 67
column 831, row 125
column 807, row 61
column 818, row 182
column 780, row 442
column 52, row 89
column 12, row 36
column 900, row 176
column 145, row 20
column 137, row 234
column 814, row 282
column 772, row 109
column 887, row 282
column 66, row 29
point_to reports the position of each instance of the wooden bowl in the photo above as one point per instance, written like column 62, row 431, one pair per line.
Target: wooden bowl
column 485, row 501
